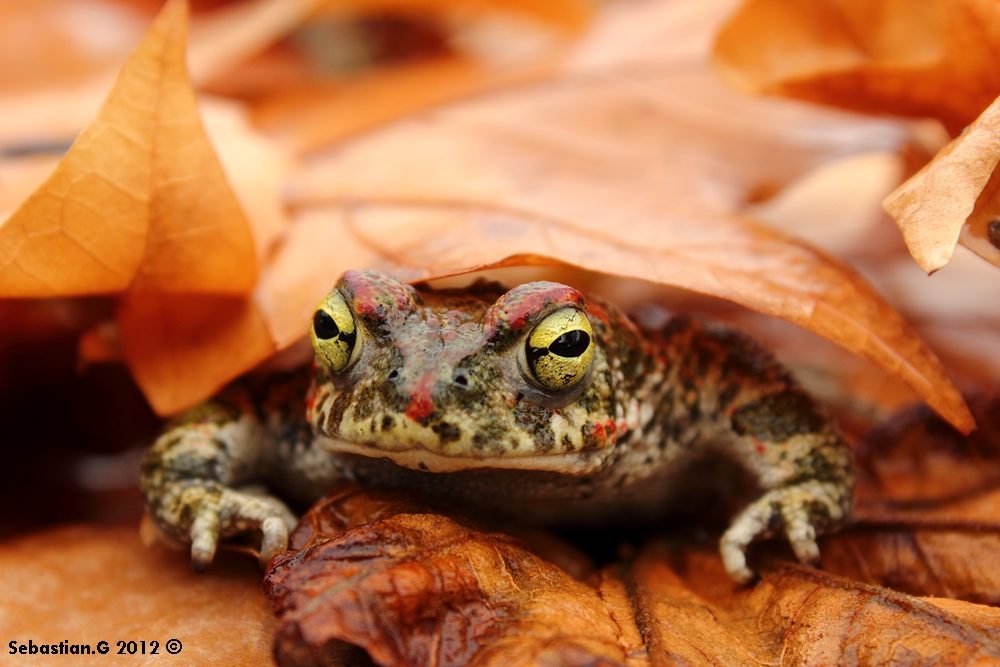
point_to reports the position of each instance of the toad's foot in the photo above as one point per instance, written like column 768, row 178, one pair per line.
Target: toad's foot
column 202, row 512
column 799, row 511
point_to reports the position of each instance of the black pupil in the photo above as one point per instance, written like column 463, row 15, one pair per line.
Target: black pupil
column 324, row 326
column 571, row 344
column 993, row 232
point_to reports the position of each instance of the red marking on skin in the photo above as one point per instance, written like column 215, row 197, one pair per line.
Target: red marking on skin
column 761, row 447
column 519, row 306
column 310, row 404
column 373, row 292
column 598, row 311
column 622, row 427
column 421, row 406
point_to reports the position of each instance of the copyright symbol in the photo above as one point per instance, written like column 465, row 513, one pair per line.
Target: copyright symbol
column 173, row 646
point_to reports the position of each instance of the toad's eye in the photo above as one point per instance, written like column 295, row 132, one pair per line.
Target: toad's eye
column 560, row 349
column 334, row 333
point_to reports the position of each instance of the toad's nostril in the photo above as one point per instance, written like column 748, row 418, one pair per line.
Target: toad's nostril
column 461, row 380
column 393, row 374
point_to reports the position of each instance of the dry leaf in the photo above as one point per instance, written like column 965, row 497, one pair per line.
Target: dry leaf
column 49, row 43
column 137, row 199
column 927, row 505
column 570, row 14
column 84, row 584
column 948, row 558
column 141, row 205
column 917, row 459
column 465, row 193
column 903, row 57
column 411, row 586
column 798, row 616
column 487, row 47
column 169, row 340
column 951, row 313
column 54, row 110
column 223, row 39
column 167, row 337
column 628, row 170
column 318, row 114
column 954, row 198
column 255, row 167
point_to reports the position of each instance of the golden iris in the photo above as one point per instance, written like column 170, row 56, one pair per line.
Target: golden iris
column 334, row 333
column 560, row 349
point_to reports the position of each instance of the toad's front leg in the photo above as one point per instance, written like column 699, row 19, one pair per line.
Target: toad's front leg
column 804, row 467
column 198, row 482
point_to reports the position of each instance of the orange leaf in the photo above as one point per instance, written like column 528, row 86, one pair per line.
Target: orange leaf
column 183, row 345
column 375, row 570
column 956, row 196
column 800, row 616
column 177, row 229
column 458, row 596
column 903, row 57
column 925, row 520
column 138, row 198
column 614, row 168
column 83, row 585
column 47, row 43
column 570, row 14
column 63, row 73
column 321, row 113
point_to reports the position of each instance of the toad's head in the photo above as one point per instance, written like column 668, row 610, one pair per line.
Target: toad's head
column 445, row 380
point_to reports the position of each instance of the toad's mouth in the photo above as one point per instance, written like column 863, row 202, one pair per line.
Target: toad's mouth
column 419, row 458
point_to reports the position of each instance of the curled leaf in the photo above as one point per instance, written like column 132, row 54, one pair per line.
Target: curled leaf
column 926, row 515
column 179, row 345
column 614, row 168
column 800, row 616
column 383, row 572
column 955, row 197
column 141, row 206
column 903, row 57
column 413, row 587
column 138, row 198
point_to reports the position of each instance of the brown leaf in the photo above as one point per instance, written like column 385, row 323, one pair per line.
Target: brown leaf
column 917, row 459
column 613, row 167
column 927, row 507
column 902, row 57
column 411, row 587
column 50, row 42
column 223, row 39
column 84, row 584
column 174, row 237
column 183, row 345
column 955, row 197
column 570, row 14
column 59, row 104
column 800, row 616
column 318, row 114
column 138, row 198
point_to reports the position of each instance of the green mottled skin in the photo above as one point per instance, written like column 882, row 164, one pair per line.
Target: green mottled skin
column 438, row 399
